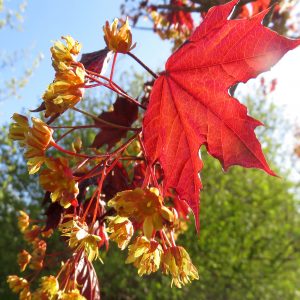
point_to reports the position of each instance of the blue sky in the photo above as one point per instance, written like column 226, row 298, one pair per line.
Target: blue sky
column 46, row 21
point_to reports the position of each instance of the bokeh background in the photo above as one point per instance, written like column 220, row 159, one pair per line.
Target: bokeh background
column 249, row 245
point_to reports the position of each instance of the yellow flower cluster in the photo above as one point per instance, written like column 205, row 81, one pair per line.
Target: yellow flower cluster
column 80, row 238
column 118, row 40
column 145, row 255
column 38, row 254
column 23, row 221
column 19, row 286
column 177, row 262
column 121, row 230
column 48, row 289
column 58, row 179
column 143, row 206
column 167, row 32
column 23, row 259
column 36, row 139
column 67, row 87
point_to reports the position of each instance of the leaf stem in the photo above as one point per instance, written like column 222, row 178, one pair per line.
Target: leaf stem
column 155, row 76
column 103, row 121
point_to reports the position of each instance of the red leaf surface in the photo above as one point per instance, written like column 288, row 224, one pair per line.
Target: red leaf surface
column 190, row 105
column 123, row 114
column 87, row 279
column 96, row 61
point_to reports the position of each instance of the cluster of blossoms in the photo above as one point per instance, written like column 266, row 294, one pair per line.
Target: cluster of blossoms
column 67, row 88
column 36, row 140
column 144, row 208
column 74, row 183
column 175, row 25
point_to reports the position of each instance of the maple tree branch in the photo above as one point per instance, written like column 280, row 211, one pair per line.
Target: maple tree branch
column 113, row 67
column 155, row 76
column 178, row 8
column 114, row 87
column 69, row 152
column 74, row 127
column 105, row 122
column 65, row 134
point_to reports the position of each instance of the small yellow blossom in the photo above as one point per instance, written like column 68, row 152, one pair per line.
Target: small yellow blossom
column 58, row 179
column 47, row 234
column 31, row 234
column 19, row 129
column 145, row 255
column 23, row 221
column 36, row 139
column 23, row 259
column 39, row 135
column 72, row 295
column 80, row 238
column 65, row 92
column 25, row 294
column 67, row 87
column 39, row 295
column 49, row 285
column 121, row 230
column 176, row 32
column 38, row 254
column 118, row 40
column 65, row 52
column 177, row 262
column 17, row 284
column 143, row 206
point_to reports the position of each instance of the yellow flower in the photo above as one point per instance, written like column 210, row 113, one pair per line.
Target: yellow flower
column 143, row 206
column 49, row 285
column 72, row 295
column 58, row 179
column 38, row 254
column 39, row 295
column 67, row 88
column 118, row 40
column 36, row 139
column 31, row 234
column 18, row 130
column 23, row 259
column 145, row 255
column 47, row 234
column 35, row 163
column 25, row 294
column 39, row 135
column 23, row 221
column 17, row 284
column 65, row 52
column 177, row 262
column 121, row 230
column 65, row 92
column 80, row 238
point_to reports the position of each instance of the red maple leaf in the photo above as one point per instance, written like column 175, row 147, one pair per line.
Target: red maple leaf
column 124, row 113
column 190, row 105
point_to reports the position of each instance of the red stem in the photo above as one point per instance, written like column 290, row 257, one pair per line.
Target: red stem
column 113, row 68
